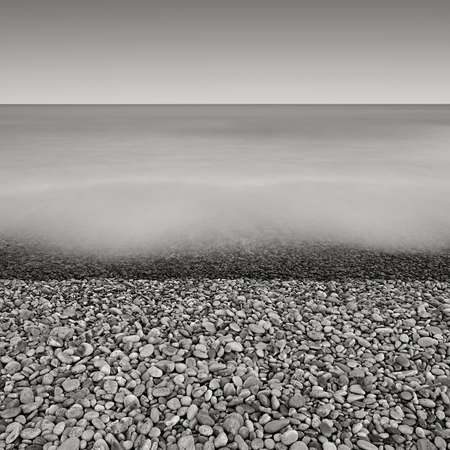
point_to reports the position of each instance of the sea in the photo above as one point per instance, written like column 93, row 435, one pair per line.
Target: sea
column 140, row 178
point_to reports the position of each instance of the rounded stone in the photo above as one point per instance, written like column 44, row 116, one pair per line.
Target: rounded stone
column 73, row 443
column 26, row 396
column 186, row 442
column 232, row 423
column 146, row 351
column 275, row 425
column 12, row 367
column 289, row 437
column 71, row 384
column 426, row 342
column 205, row 430
column 110, row 386
column 221, row 440
column 298, row 446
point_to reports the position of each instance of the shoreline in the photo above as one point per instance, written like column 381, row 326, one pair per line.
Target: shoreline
column 315, row 261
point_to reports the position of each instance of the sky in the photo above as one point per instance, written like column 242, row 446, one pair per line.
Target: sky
column 216, row 51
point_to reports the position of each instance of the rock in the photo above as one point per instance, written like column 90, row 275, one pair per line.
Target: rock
column 221, row 440
column 30, row 433
column 250, row 382
column 315, row 335
column 234, row 347
column 85, row 349
column 65, row 357
column 274, row 426
column 73, row 443
column 232, row 423
column 256, row 328
column 131, row 339
column 326, row 427
column 257, row 444
column 10, row 413
column 328, row 446
column 162, row 391
column 240, row 442
column 110, row 386
column 425, row 444
column 289, row 437
column 76, row 411
column 366, row 445
column 26, row 396
column 59, row 428
column 426, row 342
column 318, row 392
column 186, row 442
column 155, row 372
column 403, row 361
column 405, row 429
column 13, row 367
column 204, row 418
column 200, row 351
column 114, row 444
column 131, row 401
column 427, row 403
column 71, row 384
column 191, row 411
column 12, row 432
column 357, row 389
column 298, row 446
column 146, row 351
column 100, row 444
column 297, row 401
column 205, row 430
column 209, row 326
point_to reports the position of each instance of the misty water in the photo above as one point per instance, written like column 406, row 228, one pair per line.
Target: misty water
column 126, row 178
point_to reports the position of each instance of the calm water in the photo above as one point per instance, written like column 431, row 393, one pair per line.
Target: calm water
column 121, row 178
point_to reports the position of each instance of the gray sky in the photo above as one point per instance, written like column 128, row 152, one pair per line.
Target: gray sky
column 225, row 51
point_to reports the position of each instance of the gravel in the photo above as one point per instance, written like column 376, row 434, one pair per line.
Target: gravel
column 224, row 363
column 273, row 259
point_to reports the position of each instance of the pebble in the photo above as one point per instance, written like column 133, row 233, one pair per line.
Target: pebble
column 12, row 432
column 146, row 351
column 12, row 367
column 221, row 440
column 275, row 425
column 204, row 418
column 30, row 433
column 205, row 430
column 326, row 427
column 131, row 401
column 289, row 437
column 232, row 423
column 426, row 342
column 298, row 446
column 328, row 446
column 155, row 372
column 71, row 384
column 110, row 386
column 297, row 401
column 366, row 445
column 186, row 442
column 10, row 413
column 72, row 443
column 239, row 364
column 26, row 396
column 234, row 347
column 425, row 444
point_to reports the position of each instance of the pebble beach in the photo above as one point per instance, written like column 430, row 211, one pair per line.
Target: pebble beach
column 337, row 360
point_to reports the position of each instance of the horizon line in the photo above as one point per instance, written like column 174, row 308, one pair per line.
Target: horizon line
column 225, row 104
